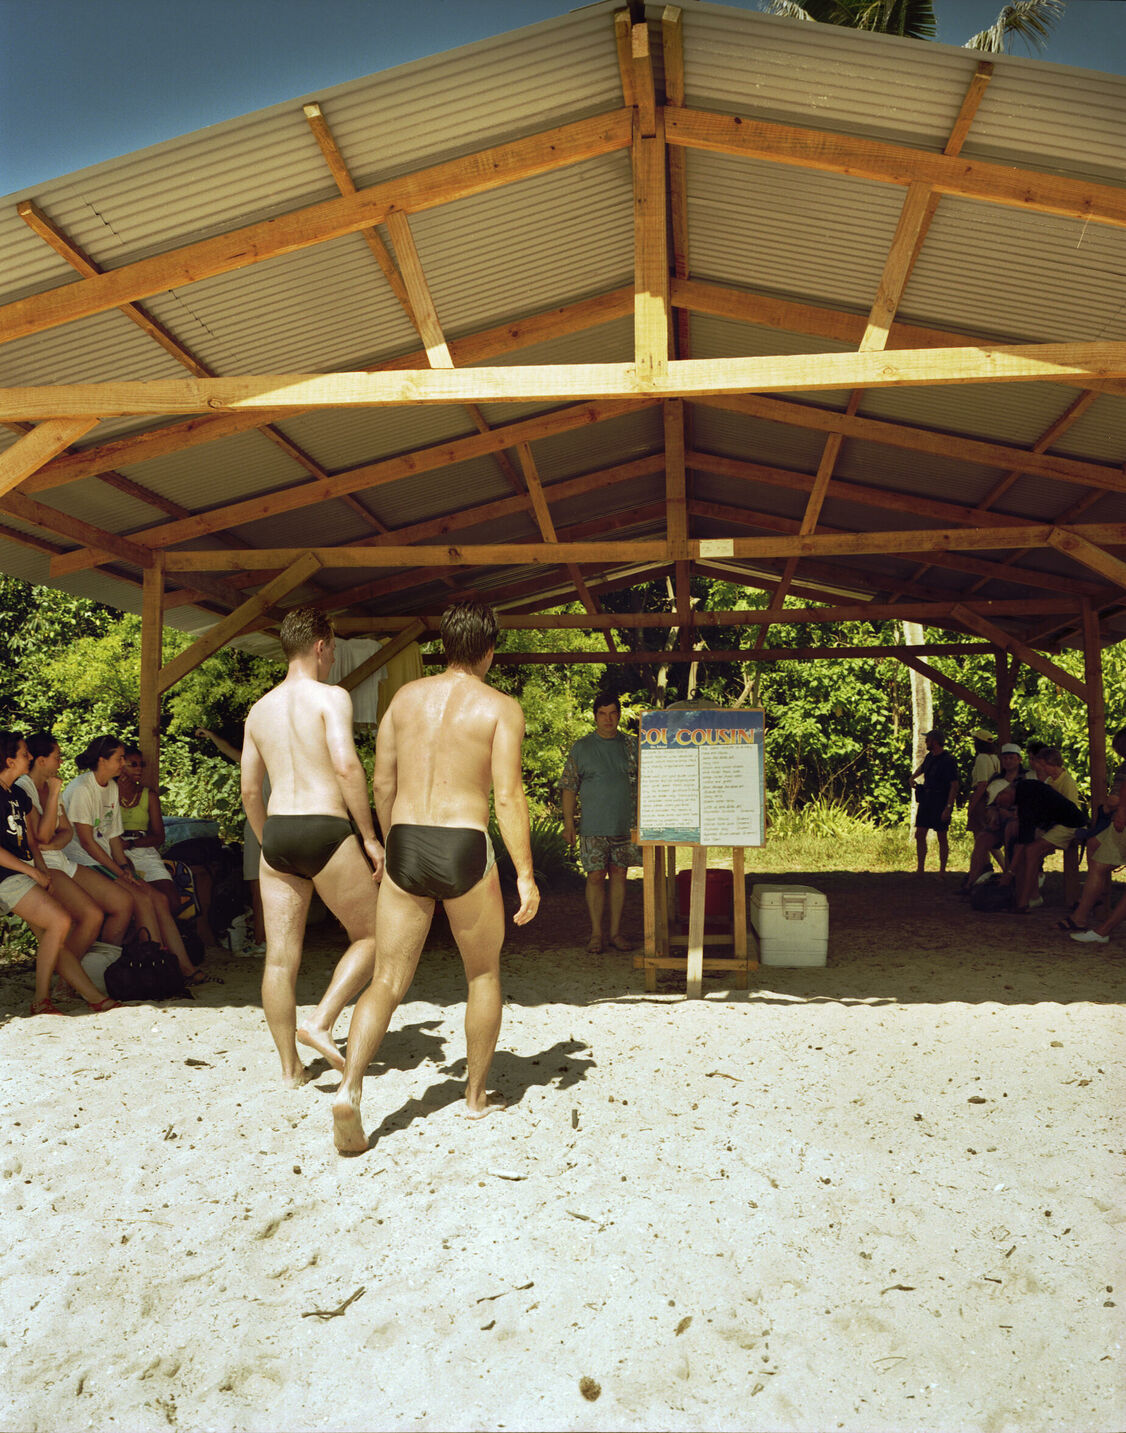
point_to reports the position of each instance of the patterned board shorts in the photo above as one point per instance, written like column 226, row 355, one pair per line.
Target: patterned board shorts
column 596, row 853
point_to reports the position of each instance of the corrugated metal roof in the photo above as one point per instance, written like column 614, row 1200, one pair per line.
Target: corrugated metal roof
column 817, row 238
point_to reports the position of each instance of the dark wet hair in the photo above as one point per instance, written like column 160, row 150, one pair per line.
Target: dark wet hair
column 606, row 699
column 1034, row 747
column 469, row 631
column 131, row 749
column 984, row 748
column 99, row 749
column 1051, row 755
column 9, row 747
column 41, row 744
column 302, row 628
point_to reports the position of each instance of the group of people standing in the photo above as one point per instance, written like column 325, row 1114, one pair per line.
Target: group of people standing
column 80, row 865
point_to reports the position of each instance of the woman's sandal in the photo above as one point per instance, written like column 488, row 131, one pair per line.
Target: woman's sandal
column 45, row 1006
column 98, row 1006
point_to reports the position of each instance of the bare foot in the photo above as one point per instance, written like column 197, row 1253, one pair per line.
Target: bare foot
column 321, row 1041
column 619, row 942
column 347, row 1127
column 594, row 945
column 492, row 1103
column 295, row 1080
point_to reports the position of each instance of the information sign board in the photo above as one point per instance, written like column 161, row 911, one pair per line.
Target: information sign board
column 700, row 777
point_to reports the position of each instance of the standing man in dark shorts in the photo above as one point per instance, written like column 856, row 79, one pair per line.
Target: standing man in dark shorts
column 603, row 767
column 936, row 796
column 444, row 741
column 301, row 735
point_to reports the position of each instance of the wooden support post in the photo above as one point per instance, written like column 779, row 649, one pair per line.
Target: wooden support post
column 649, row 898
column 696, row 904
column 1096, row 703
column 665, row 876
column 1004, row 687
column 152, row 629
column 739, row 913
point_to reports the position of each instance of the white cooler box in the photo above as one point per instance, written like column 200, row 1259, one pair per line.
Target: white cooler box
column 792, row 924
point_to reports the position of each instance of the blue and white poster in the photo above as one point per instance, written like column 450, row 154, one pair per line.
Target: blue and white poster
column 701, row 777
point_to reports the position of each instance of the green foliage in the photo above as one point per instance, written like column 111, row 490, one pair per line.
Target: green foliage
column 552, row 858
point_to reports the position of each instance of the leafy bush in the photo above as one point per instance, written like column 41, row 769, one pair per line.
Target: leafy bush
column 552, row 859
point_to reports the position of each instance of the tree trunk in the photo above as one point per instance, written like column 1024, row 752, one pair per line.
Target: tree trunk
column 922, row 703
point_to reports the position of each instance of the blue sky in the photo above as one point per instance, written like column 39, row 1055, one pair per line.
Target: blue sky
column 82, row 81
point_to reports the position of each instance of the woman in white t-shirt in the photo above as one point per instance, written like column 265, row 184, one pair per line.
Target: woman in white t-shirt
column 89, row 897
column 92, row 804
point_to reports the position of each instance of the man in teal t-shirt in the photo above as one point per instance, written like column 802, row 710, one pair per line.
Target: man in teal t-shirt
column 603, row 767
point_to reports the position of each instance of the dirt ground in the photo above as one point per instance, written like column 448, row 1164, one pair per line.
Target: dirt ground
column 886, row 1194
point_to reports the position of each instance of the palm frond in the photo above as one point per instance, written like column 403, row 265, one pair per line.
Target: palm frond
column 1028, row 20
column 788, row 9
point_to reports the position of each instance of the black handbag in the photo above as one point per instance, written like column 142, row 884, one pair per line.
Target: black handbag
column 144, row 970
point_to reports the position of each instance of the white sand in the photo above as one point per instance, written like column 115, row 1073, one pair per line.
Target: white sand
column 883, row 1195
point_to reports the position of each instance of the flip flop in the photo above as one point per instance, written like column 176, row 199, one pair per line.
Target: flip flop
column 45, row 1007
column 619, row 942
column 594, row 946
column 201, row 977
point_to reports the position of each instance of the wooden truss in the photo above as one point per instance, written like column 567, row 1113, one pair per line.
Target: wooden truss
column 196, row 557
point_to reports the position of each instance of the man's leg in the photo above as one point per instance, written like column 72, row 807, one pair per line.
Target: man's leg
column 617, row 904
column 401, row 925
column 477, row 923
column 346, row 887
column 1026, row 887
column 595, row 904
column 920, row 849
column 943, row 849
column 1095, row 888
column 285, row 902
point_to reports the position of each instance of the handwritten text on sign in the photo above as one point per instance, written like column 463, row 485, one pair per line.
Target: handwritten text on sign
column 701, row 777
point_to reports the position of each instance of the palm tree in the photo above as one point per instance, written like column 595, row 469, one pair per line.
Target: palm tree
column 1027, row 20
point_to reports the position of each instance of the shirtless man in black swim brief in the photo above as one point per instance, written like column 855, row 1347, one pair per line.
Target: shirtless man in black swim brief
column 443, row 743
column 301, row 734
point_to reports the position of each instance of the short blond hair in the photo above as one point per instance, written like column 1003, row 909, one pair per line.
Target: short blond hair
column 302, row 628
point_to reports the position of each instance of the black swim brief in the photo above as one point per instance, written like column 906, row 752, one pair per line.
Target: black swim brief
column 439, row 862
column 303, row 845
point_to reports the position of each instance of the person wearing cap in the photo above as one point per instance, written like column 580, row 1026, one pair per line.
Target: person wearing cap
column 995, row 822
column 936, row 796
column 986, row 766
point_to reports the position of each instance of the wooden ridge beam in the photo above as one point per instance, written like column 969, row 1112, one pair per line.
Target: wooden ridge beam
column 1027, row 189
column 1031, row 658
column 694, row 378
column 315, row 224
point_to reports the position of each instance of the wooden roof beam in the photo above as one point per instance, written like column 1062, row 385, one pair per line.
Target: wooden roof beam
column 315, row 224
column 697, row 379
column 1026, row 189
column 368, row 475
column 1031, row 658
column 38, row 446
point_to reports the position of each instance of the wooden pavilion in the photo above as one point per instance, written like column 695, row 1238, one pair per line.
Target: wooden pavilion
column 633, row 293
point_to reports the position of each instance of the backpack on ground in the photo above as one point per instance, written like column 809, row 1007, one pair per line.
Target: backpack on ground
column 144, row 970
column 991, row 896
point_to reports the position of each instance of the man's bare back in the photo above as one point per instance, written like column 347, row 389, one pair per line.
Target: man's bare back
column 301, row 735
column 444, row 742
column 444, row 768
column 290, row 726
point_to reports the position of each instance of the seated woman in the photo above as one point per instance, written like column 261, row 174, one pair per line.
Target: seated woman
column 142, row 832
column 995, row 820
column 95, row 904
column 26, row 885
column 94, row 809
column 1104, row 845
